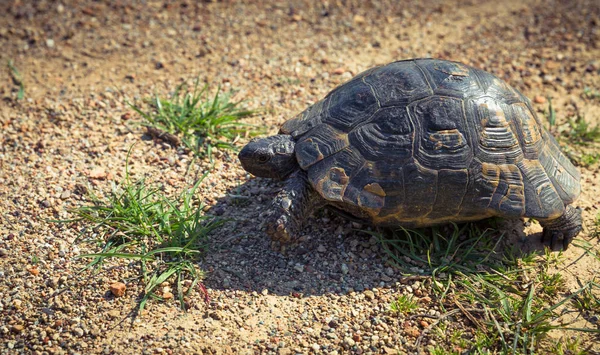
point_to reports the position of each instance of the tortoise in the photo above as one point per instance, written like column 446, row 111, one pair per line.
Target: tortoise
column 416, row 143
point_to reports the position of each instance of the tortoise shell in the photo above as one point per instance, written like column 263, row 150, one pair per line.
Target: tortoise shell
column 426, row 141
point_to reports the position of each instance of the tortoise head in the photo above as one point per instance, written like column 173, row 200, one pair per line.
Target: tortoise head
column 271, row 157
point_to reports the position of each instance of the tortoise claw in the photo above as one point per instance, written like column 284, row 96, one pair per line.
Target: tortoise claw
column 279, row 231
column 566, row 242
column 564, row 228
column 290, row 208
column 555, row 237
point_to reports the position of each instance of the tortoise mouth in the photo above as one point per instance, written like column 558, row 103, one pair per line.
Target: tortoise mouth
column 245, row 155
column 256, row 162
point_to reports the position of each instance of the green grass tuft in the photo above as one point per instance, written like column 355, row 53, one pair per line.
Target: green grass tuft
column 589, row 300
column 596, row 226
column 164, row 235
column 512, row 300
column 568, row 346
column 590, row 93
column 404, row 304
column 581, row 132
column 202, row 122
column 551, row 115
column 17, row 79
column 577, row 137
column 441, row 251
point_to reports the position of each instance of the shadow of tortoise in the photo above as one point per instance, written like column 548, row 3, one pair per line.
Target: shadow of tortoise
column 334, row 255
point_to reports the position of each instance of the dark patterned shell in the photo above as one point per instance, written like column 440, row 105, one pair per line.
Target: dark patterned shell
column 426, row 141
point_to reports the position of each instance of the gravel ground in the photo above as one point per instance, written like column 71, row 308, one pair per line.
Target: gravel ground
column 81, row 61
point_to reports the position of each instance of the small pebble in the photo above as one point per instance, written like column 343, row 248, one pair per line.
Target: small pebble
column 358, row 19
column 118, row 289
column 345, row 269
column 349, row 341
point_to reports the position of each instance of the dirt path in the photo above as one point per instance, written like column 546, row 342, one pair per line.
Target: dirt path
column 81, row 60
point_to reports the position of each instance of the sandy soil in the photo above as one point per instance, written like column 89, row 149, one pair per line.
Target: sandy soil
column 80, row 62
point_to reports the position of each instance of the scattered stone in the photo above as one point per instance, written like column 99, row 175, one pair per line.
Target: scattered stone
column 349, row 342
column 386, row 278
column 425, row 300
column 345, row 269
column 167, row 295
column 358, row 19
column 118, row 289
column 80, row 189
column 74, row 127
column 98, row 173
column 215, row 315
column 412, row 331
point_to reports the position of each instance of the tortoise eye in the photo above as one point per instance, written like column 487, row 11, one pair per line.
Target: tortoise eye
column 263, row 158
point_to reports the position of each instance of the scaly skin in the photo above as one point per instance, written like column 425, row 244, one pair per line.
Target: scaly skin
column 565, row 227
column 291, row 207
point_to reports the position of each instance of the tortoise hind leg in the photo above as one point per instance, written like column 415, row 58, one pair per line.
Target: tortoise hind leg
column 565, row 227
column 291, row 207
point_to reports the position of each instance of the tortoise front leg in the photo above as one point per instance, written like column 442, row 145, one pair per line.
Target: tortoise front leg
column 291, row 207
column 565, row 227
